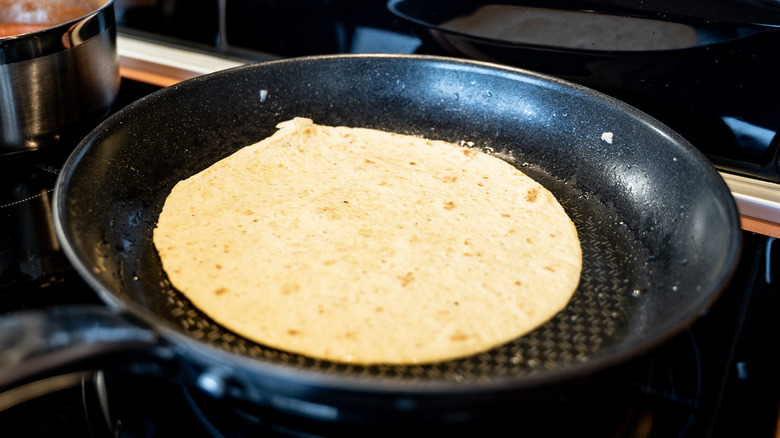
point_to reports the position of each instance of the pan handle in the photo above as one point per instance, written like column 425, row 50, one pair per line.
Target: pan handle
column 42, row 343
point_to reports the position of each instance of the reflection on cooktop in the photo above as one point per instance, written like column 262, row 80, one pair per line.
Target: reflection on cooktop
column 34, row 271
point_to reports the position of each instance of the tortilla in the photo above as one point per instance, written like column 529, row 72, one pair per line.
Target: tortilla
column 362, row 246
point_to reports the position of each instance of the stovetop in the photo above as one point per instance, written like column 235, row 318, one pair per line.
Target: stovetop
column 716, row 379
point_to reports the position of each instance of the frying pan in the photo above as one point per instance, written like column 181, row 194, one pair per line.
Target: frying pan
column 659, row 230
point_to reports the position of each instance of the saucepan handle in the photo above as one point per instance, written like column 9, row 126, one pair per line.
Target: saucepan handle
column 42, row 343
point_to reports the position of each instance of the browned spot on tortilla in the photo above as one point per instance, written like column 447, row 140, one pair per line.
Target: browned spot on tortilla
column 367, row 161
column 449, row 178
column 406, row 279
column 469, row 152
column 293, row 332
column 449, row 205
column 458, row 336
column 289, row 288
column 549, row 268
column 518, row 283
column 330, row 213
column 218, row 266
column 350, row 335
column 532, row 194
column 379, row 309
column 505, row 215
column 328, row 262
column 220, row 291
column 524, row 307
column 412, row 163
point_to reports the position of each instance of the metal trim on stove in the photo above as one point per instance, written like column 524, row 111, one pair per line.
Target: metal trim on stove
column 165, row 65
column 755, row 198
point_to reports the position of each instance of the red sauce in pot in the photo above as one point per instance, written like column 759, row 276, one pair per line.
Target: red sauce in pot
column 10, row 29
column 23, row 16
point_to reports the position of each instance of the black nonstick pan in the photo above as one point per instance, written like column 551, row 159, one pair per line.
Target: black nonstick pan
column 659, row 230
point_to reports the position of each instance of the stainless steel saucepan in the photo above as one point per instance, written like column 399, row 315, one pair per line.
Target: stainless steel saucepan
column 59, row 70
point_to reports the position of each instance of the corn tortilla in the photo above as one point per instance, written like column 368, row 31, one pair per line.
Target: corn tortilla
column 363, row 246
